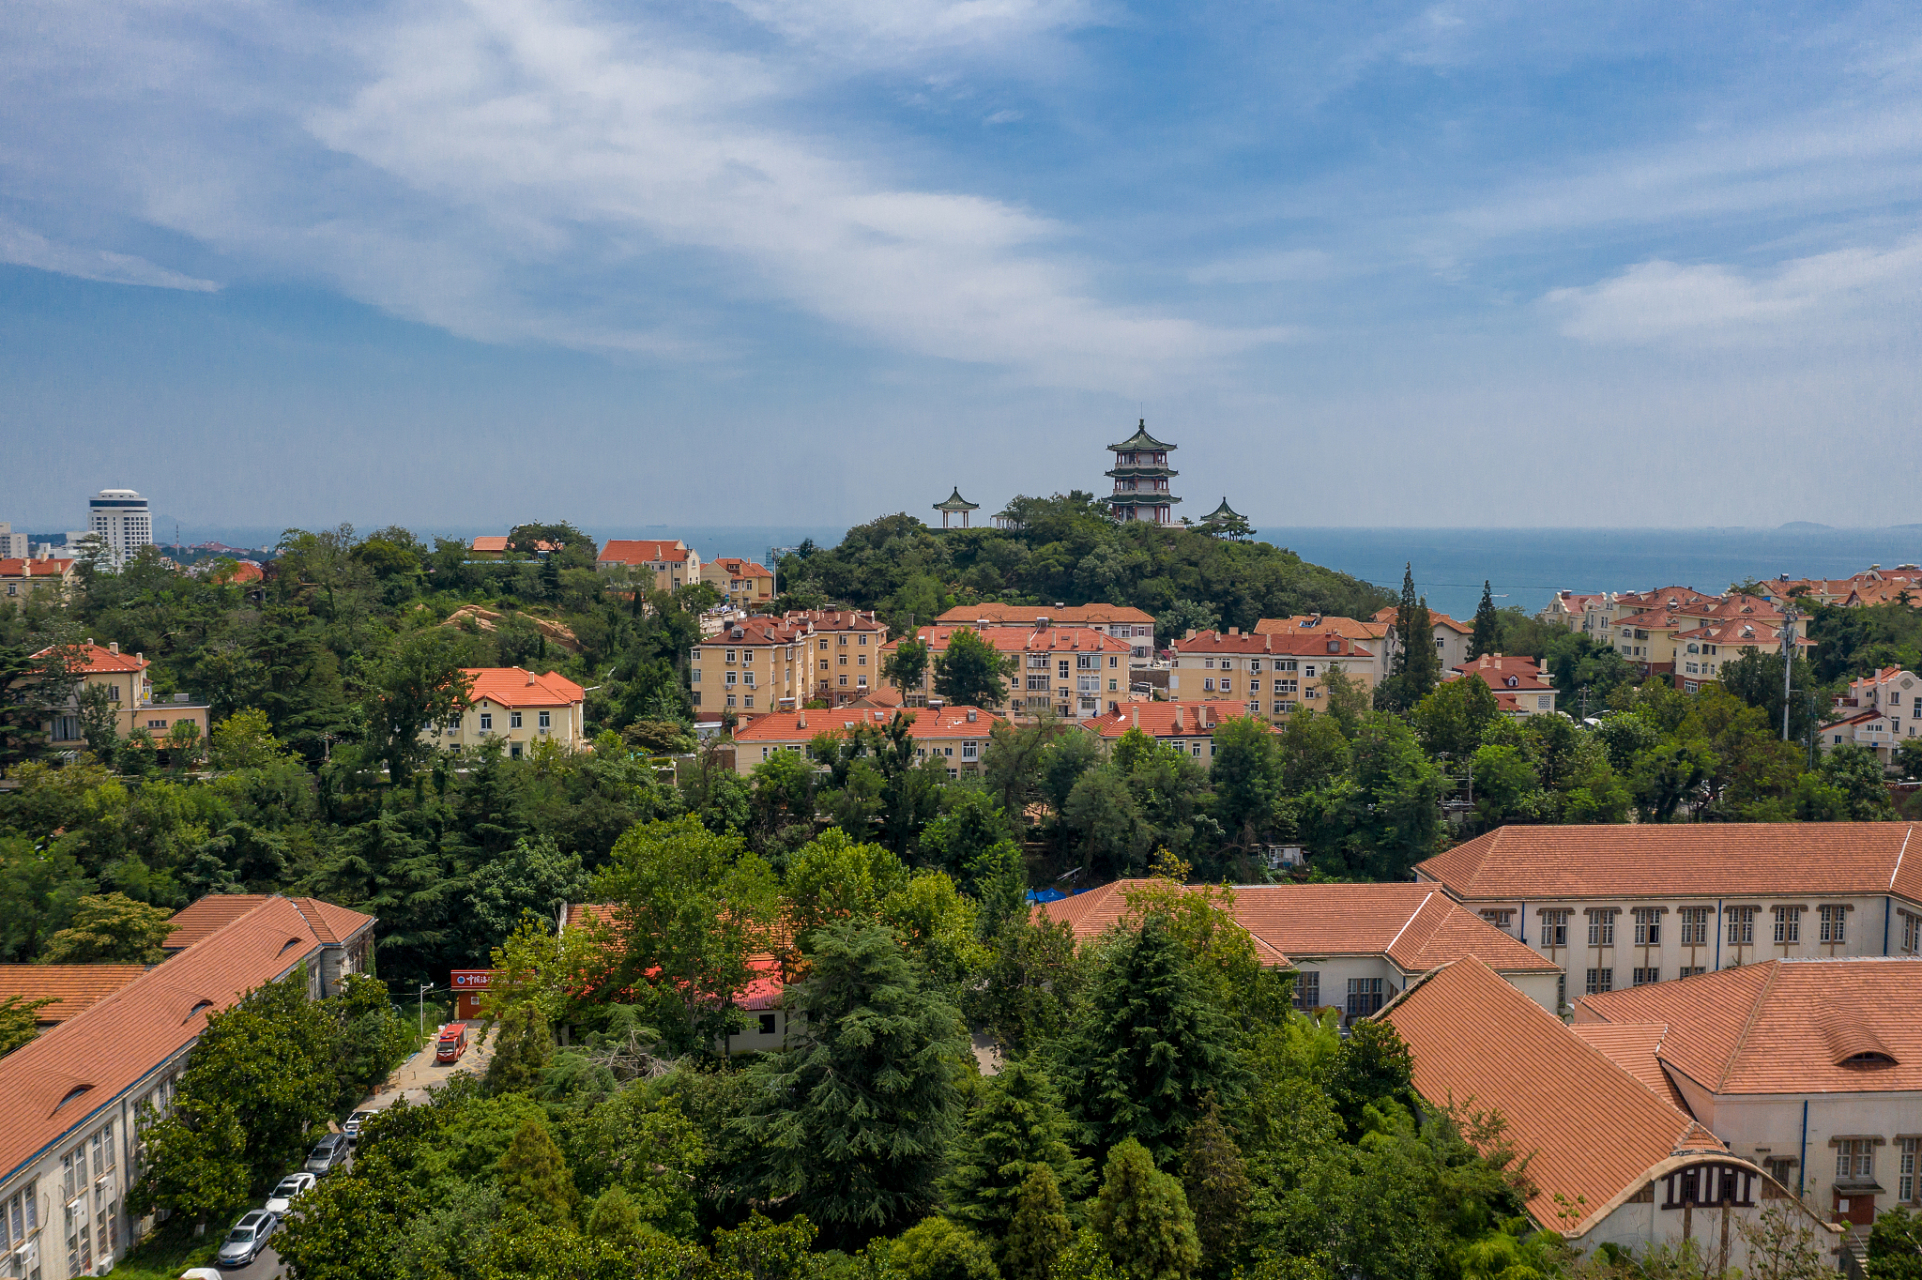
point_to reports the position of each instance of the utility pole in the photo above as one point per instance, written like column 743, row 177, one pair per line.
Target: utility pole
column 1788, row 665
column 425, row 987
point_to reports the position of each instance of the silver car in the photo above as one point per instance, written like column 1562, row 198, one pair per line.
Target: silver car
column 290, row 1188
column 249, row 1236
column 327, row 1153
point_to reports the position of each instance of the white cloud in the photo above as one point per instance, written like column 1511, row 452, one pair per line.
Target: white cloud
column 27, row 248
column 1657, row 300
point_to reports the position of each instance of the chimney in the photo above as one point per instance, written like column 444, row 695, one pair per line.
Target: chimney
column 1190, row 635
column 1234, row 631
column 1134, row 714
column 973, row 715
column 1179, row 726
column 801, row 722
column 530, row 677
column 1268, row 643
column 113, row 647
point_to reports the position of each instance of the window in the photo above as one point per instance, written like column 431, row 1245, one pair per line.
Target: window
column 1741, row 925
column 1541, row 700
column 1648, row 927
column 1061, row 668
column 860, row 682
column 1500, row 918
column 747, row 703
column 1555, row 928
column 1308, row 989
column 1284, row 664
column 1087, row 661
column 730, row 699
column 1601, row 928
column 1788, row 924
column 514, row 750
column 547, row 719
column 1208, row 663
column 1254, row 686
column 1364, row 997
column 1834, row 925
column 513, row 719
column 1855, row 1160
column 730, row 655
column 1690, row 970
column 1308, row 672
column 1208, row 684
column 1600, row 980
column 1695, row 926
column 487, row 720
column 1905, row 1182
column 1645, row 976
column 969, row 750
column 1038, row 682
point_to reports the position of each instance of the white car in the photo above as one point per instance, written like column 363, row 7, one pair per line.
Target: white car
column 291, row 1188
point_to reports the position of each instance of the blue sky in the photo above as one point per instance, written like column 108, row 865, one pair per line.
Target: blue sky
column 807, row 261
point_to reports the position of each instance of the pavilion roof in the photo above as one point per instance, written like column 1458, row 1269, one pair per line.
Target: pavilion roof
column 1140, row 440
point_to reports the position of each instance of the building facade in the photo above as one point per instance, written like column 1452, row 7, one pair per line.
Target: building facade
column 661, row 564
column 1522, row 686
column 1371, row 638
column 1143, row 479
column 120, row 519
column 756, row 665
column 23, row 577
column 1125, row 622
column 1877, row 711
column 1630, row 905
column 1271, row 675
column 844, row 653
column 956, row 736
column 741, row 582
column 519, row 708
column 1451, row 637
column 1069, row 672
column 130, row 693
column 1188, row 727
column 13, row 546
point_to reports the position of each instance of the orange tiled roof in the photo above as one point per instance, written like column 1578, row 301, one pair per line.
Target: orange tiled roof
column 1708, row 860
column 1174, row 719
column 758, row 630
column 1300, row 644
column 53, row 1085
column 741, row 567
column 96, row 660
column 490, row 542
column 1663, row 597
column 1593, row 1129
column 1022, row 640
column 801, row 726
column 1635, row 1047
column 75, row 986
column 517, row 687
column 1784, row 1026
column 1740, row 632
column 1387, row 614
column 642, row 551
column 1505, row 672
column 1322, row 624
column 1023, row 615
column 832, row 620
column 16, row 567
column 209, row 916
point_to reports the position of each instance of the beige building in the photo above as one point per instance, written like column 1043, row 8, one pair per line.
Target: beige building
column 844, row 654
column 1700, row 653
column 741, row 582
column 517, row 706
column 669, row 562
column 1125, row 622
column 25, row 576
column 1186, row 726
column 130, row 691
column 1071, row 672
column 956, row 736
column 756, row 665
column 1269, row 675
column 1451, row 637
column 1522, row 687
column 1878, row 711
column 1368, row 634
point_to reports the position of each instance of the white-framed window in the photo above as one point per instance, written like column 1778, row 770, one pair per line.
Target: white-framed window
column 970, row 751
column 487, row 720
column 547, row 720
column 1555, row 928
column 1905, row 1178
column 1208, row 663
column 1208, row 684
column 513, row 719
column 1308, row 672
column 1502, row 918
column 1643, row 977
column 1855, row 1160
column 1788, row 924
column 1834, row 924
column 1694, row 926
column 1648, row 927
column 1600, row 980
column 1601, row 928
column 1741, row 925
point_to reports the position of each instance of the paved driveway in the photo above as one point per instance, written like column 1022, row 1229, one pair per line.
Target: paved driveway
column 414, row 1077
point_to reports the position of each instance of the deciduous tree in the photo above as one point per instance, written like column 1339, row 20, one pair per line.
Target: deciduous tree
column 1142, row 1218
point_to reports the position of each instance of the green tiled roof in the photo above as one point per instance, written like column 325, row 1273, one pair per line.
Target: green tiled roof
column 1140, row 440
column 1223, row 512
column 956, row 502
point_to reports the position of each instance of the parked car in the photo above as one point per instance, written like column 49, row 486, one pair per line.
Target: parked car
column 352, row 1127
column 327, row 1153
column 453, row 1042
column 290, row 1189
column 249, row 1236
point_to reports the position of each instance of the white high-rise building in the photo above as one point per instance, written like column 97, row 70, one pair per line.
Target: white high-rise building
column 121, row 518
column 13, row 546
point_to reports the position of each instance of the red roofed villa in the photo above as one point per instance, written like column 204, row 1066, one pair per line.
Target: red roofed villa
column 517, row 706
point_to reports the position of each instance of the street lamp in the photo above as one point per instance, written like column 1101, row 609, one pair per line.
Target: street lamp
column 425, row 987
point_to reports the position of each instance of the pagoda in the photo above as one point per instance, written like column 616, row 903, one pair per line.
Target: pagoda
column 1141, row 477
column 956, row 504
column 1226, row 521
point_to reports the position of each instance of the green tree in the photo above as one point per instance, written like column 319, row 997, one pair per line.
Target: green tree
column 936, row 1249
column 523, row 1048
column 1487, row 626
column 616, row 1220
column 245, row 740
column 1150, row 1044
column 1782, row 1246
column 854, row 1117
column 1452, row 720
column 1247, row 777
column 907, row 667
column 1039, row 1231
column 1374, row 1066
column 17, row 1023
column 1017, row 1126
column 1142, row 1218
column 111, row 928
column 1895, row 1245
column 1855, row 774
column 690, row 909
column 1417, row 667
column 972, row 673
column 1214, row 1177
column 419, row 682
column 1668, row 776
column 534, row 1176
column 534, row 877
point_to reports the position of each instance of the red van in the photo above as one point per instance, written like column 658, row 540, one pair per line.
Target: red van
column 453, row 1043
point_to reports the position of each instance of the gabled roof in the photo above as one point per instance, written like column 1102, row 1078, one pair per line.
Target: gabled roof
column 1296, row 644
column 496, row 542
column 1175, row 719
column 1590, row 1128
column 53, row 1084
column 1139, row 440
column 1321, row 624
column 75, row 986
column 802, row 726
column 642, row 551
column 740, row 567
column 1742, row 631
column 1636, row 1048
column 1022, row 640
column 833, row 620
column 758, row 629
column 998, row 614
column 518, row 687
column 17, row 567
column 97, row 660
column 1706, row 860
column 1387, row 614
column 1784, row 1026
column 1499, row 672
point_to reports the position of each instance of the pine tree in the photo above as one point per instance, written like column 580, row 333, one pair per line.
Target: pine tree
column 1018, row 1127
column 522, row 1049
column 1417, row 666
column 534, row 1175
column 1040, row 1229
column 1487, row 626
column 1215, row 1179
column 616, row 1219
column 1142, row 1218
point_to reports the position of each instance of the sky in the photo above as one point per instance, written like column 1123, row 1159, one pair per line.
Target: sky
column 463, row 263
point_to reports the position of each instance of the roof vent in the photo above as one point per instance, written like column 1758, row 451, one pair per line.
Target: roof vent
column 291, row 942
column 973, row 715
column 1334, row 646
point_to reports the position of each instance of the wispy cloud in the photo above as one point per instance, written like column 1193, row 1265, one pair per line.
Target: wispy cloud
column 28, row 248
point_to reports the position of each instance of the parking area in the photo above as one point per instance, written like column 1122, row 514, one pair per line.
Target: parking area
column 414, row 1077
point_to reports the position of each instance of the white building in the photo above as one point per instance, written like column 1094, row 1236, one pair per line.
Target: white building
column 1625, row 906
column 121, row 520
column 1810, row 1068
column 13, row 546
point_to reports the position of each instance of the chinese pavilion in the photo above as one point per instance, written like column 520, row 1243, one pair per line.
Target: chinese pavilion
column 956, row 505
column 1141, row 476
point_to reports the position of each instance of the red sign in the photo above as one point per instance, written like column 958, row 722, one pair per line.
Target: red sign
column 469, row 979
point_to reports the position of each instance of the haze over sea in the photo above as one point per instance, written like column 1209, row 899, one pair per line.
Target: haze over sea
column 1525, row 567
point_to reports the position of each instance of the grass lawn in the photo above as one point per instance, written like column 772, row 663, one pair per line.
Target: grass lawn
column 168, row 1251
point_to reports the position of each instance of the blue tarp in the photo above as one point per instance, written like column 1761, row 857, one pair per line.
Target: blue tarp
column 1045, row 895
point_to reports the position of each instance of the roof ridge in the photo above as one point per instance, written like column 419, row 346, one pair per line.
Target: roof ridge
column 1754, row 1013
column 1419, row 906
column 1906, row 836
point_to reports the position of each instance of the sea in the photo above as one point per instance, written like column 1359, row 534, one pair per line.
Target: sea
column 1523, row 567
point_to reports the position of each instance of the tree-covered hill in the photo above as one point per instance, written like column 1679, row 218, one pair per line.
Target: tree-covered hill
column 1068, row 551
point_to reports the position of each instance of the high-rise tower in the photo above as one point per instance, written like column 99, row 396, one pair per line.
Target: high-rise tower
column 121, row 518
column 1141, row 479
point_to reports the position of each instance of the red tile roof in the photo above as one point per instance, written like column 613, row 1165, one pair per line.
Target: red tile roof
column 16, row 567
column 1389, row 613
column 1174, row 719
column 1591, row 1128
column 54, row 1084
column 1022, row 615
column 1784, row 1026
column 643, row 551
column 1501, row 672
column 75, row 986
column 490, row 542
column 832, row 620
column 97, row 660
column 1023, row 640
column 740, row 567
column 1317, row 623
column 802, row 726
column 1681, row 860
column 209, row 916
column 1743, row 632
column 1635, row 1047
column 1292, row 644
column 758, row 630
column 517, row 687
